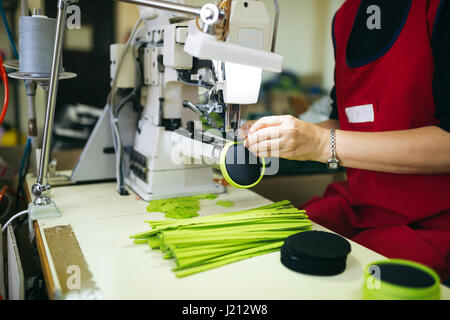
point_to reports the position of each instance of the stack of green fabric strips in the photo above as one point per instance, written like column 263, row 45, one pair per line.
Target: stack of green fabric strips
column 211, row 241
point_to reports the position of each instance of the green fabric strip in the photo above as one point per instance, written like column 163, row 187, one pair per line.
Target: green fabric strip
column 226, row 204
column 202, row 243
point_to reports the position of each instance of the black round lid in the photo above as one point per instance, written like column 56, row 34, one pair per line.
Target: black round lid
column 405, row 275
column 315, row 252
column 242, row 166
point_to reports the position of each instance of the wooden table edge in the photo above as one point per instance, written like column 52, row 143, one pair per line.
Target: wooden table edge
column 45, row 266
column 49, row 283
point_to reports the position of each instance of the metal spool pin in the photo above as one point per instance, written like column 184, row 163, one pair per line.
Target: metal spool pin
column 41, row 189
column 48, row 81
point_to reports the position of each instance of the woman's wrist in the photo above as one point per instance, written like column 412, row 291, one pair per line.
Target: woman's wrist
column 323, row 145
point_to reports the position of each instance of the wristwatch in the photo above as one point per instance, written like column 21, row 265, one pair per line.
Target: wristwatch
column 333, row 162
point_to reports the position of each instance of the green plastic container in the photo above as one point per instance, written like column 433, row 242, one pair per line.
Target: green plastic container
column 397, row 279
column 224, row 168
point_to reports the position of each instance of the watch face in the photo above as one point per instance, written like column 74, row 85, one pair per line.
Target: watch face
column 333, row 164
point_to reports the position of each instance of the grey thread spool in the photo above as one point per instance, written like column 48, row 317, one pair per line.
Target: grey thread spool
column 37, row 38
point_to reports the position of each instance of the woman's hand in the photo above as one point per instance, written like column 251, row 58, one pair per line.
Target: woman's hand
column 288, row 137
column 245, row 128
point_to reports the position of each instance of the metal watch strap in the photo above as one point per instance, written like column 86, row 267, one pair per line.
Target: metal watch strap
column 333, row 162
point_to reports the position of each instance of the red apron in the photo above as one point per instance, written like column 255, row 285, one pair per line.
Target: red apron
column 399, row 216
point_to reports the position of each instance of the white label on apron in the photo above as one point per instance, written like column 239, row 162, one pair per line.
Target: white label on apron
column 360, row 114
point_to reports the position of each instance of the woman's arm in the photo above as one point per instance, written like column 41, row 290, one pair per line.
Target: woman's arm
column 417, row 151
column 329, row 124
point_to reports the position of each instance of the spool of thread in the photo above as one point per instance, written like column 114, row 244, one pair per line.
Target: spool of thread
column 37, row 37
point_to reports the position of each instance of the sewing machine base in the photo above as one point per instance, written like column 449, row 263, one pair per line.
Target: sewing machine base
column 176, row 184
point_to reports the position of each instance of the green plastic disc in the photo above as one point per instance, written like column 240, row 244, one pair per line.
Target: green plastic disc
column 241, row 168
column 398, row 279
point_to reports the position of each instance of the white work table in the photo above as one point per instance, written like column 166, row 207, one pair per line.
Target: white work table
column 103, row 221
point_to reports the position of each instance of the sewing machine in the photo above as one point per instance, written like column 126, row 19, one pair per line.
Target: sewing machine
column 220, row 48
column 190, row 76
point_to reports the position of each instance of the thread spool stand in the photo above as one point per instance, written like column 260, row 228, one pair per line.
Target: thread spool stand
column 11, row 64
column 42, row 206
column 42, row 81
column 31, row 83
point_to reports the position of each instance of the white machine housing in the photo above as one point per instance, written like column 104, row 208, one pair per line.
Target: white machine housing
column 154, row 173
column 152, row 167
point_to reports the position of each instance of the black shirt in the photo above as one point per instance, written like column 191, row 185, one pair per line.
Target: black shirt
column 364, row 42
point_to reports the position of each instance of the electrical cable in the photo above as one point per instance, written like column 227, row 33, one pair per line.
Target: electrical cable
column 3, row 192
column 8, row 30
column 24, row 158
column 15, row 52
column 21, row 213
column 138, row 79
column 4, row 77
column 122, row 59
column 10, row 201
column 4, row 195
column 114, row 121
column 24, row 164
column 124, row 102
column 133, row 95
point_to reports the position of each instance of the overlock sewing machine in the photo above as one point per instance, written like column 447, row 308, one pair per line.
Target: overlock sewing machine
column 174, row 109
column 190, row 76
